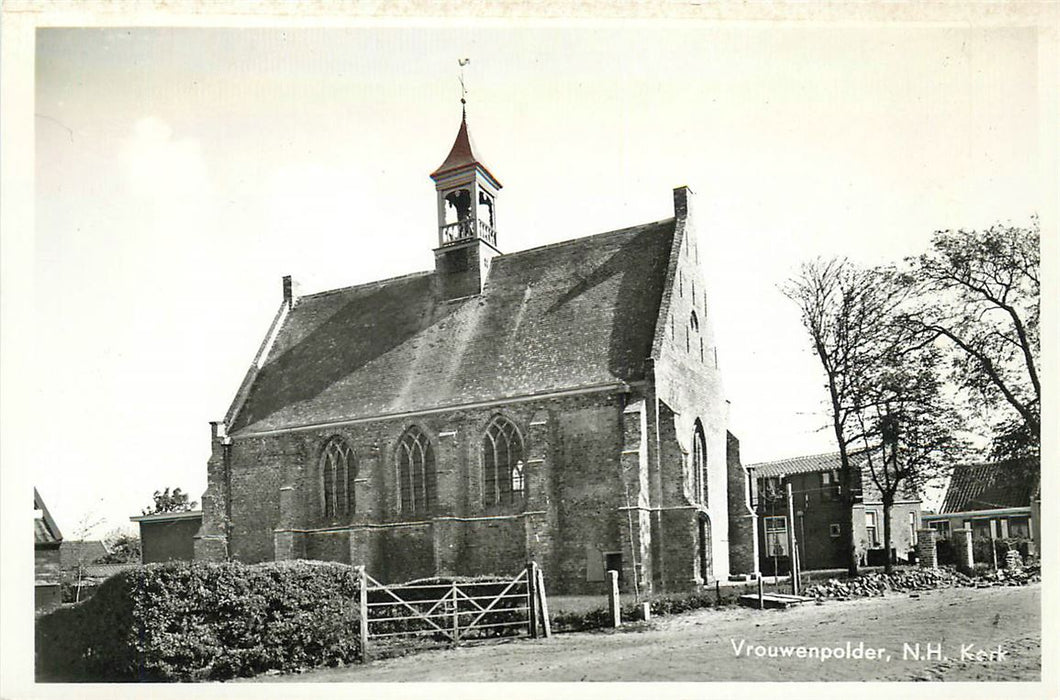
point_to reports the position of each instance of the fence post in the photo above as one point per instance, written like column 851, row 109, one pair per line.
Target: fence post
column 363, row 605
column 542, row 598
column 761, row 594
column 531, row 599
column 614, row 608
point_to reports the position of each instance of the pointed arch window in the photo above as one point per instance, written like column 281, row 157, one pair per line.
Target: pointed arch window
column 699, row 463
column 417, row 478
column 502, row 461
column 338, row 471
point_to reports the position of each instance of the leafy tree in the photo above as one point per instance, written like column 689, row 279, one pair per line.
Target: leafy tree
column 124, row 548
column 847, row 313
column 166, row 502
column 979, row 292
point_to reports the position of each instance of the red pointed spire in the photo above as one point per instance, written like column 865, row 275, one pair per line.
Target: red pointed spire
column 462, row 154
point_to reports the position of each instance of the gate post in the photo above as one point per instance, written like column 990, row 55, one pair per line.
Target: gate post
column 456, row 615
column 363, row 610
column 531, row 598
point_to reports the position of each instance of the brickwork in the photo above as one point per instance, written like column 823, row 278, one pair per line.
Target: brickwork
column 688, row 384
column 962, row 549
column 743, row 540
column 926, row 549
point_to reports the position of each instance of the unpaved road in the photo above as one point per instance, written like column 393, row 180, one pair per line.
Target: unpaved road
column 701, row 646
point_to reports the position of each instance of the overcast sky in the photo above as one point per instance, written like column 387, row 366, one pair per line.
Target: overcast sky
column 181, row 172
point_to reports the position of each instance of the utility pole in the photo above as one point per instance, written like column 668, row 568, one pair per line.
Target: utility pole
column 792, row 542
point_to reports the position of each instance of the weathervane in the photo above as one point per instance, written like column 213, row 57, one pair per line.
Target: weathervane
column 463, row 88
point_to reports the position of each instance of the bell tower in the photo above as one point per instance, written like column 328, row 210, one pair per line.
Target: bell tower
column 467, row 218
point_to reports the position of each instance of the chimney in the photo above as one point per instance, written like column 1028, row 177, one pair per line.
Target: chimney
column 683, row 196
column 290, row 291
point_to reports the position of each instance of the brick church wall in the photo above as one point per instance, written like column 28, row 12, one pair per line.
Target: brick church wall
column 743, row 542
column 574, row 511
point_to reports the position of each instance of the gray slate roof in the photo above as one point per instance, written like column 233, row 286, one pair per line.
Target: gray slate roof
column 570, row 315
column 992, row 485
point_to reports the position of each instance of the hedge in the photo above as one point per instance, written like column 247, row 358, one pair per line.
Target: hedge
column 184, row 621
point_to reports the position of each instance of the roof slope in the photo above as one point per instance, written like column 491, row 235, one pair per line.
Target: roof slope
column 45, row 531
column 74, row 552
column 992, row 485
column 797, row 465
column 569, row 315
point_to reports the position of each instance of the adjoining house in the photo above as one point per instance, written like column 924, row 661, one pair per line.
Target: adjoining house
column 47, row 562
column 819, row 513
column 997, row 500
column 81, row 553
column 168, row 536
column 561, row 404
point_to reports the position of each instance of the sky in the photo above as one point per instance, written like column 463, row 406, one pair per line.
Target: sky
column 180, row 172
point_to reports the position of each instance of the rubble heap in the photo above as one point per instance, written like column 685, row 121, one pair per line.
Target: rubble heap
column 906, row 580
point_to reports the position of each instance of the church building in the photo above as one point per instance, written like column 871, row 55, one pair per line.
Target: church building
column 560, row 404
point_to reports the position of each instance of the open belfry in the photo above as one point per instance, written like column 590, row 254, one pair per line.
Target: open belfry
column 560, row 404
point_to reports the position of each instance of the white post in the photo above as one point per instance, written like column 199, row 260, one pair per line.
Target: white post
column 614, row 607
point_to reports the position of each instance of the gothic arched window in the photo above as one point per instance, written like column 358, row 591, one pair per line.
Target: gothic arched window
column 338, row 472
column 699, row 464
column 502, row 463
column 416, row 474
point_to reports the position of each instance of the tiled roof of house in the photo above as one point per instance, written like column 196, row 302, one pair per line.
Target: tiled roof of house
column 45, row 531
column 825, row 462
column 84, row 552
column 991, row 485
column 570, row 315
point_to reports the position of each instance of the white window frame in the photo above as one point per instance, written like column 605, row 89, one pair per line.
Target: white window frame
column 776, row 536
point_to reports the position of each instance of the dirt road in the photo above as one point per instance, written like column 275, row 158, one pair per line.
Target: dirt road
column 963, row 625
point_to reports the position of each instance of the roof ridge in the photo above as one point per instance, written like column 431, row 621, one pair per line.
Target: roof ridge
column 580, row 239
column 792, row 459
column 364, row 285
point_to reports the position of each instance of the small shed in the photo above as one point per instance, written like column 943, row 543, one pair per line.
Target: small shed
column 168, row 536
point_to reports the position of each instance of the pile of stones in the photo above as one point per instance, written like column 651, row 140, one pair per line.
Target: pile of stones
column 909, row 580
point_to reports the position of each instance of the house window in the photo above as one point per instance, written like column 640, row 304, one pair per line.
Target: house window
column 337, row 472
column 982, row 529
column 771, row 489
column 912, row 527
column 829, row 486
column 834, row 530
column 502, row 463
column 699, row 464
column 942, row 527
column 871, row 530
column 1019, row 527
column 416, row 472
column 776, row 536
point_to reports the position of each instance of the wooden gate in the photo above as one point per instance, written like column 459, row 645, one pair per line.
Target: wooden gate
column 452, row 610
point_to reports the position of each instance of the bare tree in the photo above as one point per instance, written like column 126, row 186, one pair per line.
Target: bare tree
column 848, row 314
column 980, row 291
column 81, row 553
column 908, row 427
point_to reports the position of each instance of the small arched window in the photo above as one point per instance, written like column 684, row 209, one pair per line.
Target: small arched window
column 417, row 479
column 338, row 472
column 502, row 462
column 699, row 463
column 694, row 322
